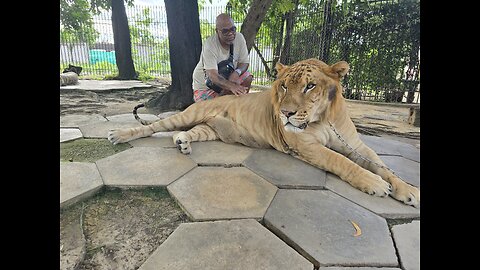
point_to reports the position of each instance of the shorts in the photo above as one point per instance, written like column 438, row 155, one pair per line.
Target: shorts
column 204, row 94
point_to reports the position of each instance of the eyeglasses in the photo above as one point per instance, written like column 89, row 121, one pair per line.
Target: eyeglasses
column 226, row 31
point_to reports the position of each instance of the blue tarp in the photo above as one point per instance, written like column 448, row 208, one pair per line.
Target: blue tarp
column 102, row 55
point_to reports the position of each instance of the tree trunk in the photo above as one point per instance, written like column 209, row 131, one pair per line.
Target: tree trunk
column 122, row 43
column 412, row 73
column 253, row 20
column 185, row 46
column 326, row 32
column 290, row 18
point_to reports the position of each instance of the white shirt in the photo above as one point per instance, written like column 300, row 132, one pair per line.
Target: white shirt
column 213, row 53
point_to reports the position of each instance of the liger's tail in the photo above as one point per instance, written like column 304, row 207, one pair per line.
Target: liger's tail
column 142, row 121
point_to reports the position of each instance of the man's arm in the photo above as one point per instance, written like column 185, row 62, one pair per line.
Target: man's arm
column 219, row 80
column 235, row 76
column 242, row 67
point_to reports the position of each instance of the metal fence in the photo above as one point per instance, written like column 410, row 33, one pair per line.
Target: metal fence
column 379, row 39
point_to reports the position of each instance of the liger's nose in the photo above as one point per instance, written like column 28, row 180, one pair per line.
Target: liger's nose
column 287, row 113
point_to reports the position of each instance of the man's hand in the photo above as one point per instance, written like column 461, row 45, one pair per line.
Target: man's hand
column 237, row 90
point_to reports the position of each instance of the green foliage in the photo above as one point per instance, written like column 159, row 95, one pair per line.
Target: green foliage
column 76, row 22
column 96, row 6
column 145, row 76
column 206, row 29
column 74, row 14
column 139, row 31
column 85, row 34
column 149, row 53
column 377, row 40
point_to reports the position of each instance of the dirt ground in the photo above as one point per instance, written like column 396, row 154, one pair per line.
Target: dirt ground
column 119, row 229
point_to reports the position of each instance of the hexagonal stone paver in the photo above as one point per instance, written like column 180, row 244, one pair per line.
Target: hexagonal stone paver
column 220, row 245
column 285, row 171
column 76, row 120
column 129, row 118
column 386, row 207
column 359, row 268
column 106, row 85
column 69, row 134
column 144, row 166
column 222, row 193
column 100, row 130
column 160, row 139
column 77, row 181
column 317, row 223
column 384, row 146
column 219, row 153
column 407, row 239
column 406, row 169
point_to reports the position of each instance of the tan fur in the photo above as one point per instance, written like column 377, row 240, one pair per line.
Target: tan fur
column 68, row 78
column 293, row 121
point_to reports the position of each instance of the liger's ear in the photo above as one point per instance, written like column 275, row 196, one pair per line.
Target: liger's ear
column 279, row 67
column 341, row 68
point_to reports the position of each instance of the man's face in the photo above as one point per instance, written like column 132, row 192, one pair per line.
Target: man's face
column 226, row 31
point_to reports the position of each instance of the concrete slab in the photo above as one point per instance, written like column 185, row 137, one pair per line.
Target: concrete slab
column 129, row 118
column 220, row 245
column 285, row 171
column 211, row 193
column 100, row 130
column 144, row 166
column 76, row 120
column 70, row 134
column 160, row 139
column 78, row 181
column 383, row 146
column 359, row 268
column 105, row 85
column 407, row 240
column 406, row 169
column 385, row 207
column 219, row 153
column 317, row 223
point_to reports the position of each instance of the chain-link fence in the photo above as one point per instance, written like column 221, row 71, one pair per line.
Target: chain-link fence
column 379, row 39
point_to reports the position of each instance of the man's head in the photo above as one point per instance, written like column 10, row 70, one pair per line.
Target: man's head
column 225, row 29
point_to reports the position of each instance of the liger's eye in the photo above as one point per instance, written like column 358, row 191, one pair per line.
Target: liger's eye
column 284, row 87
column 309, row 87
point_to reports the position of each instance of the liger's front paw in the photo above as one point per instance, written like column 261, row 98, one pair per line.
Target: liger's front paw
column 407, row 194
column 117, row 136
column 373, row 184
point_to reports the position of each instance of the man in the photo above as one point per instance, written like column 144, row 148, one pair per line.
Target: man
column 216, row 49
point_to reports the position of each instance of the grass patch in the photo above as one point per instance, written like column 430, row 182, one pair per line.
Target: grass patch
column 393, row 222
column 156, row 192
column 89, row 150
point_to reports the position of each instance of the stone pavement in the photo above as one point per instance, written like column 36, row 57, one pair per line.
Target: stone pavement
column 105, row 85
column 253, row 208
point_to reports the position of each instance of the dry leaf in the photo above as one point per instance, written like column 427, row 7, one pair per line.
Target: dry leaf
column 357, row 229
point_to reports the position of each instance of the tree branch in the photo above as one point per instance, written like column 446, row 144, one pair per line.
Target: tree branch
column 264, row 62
